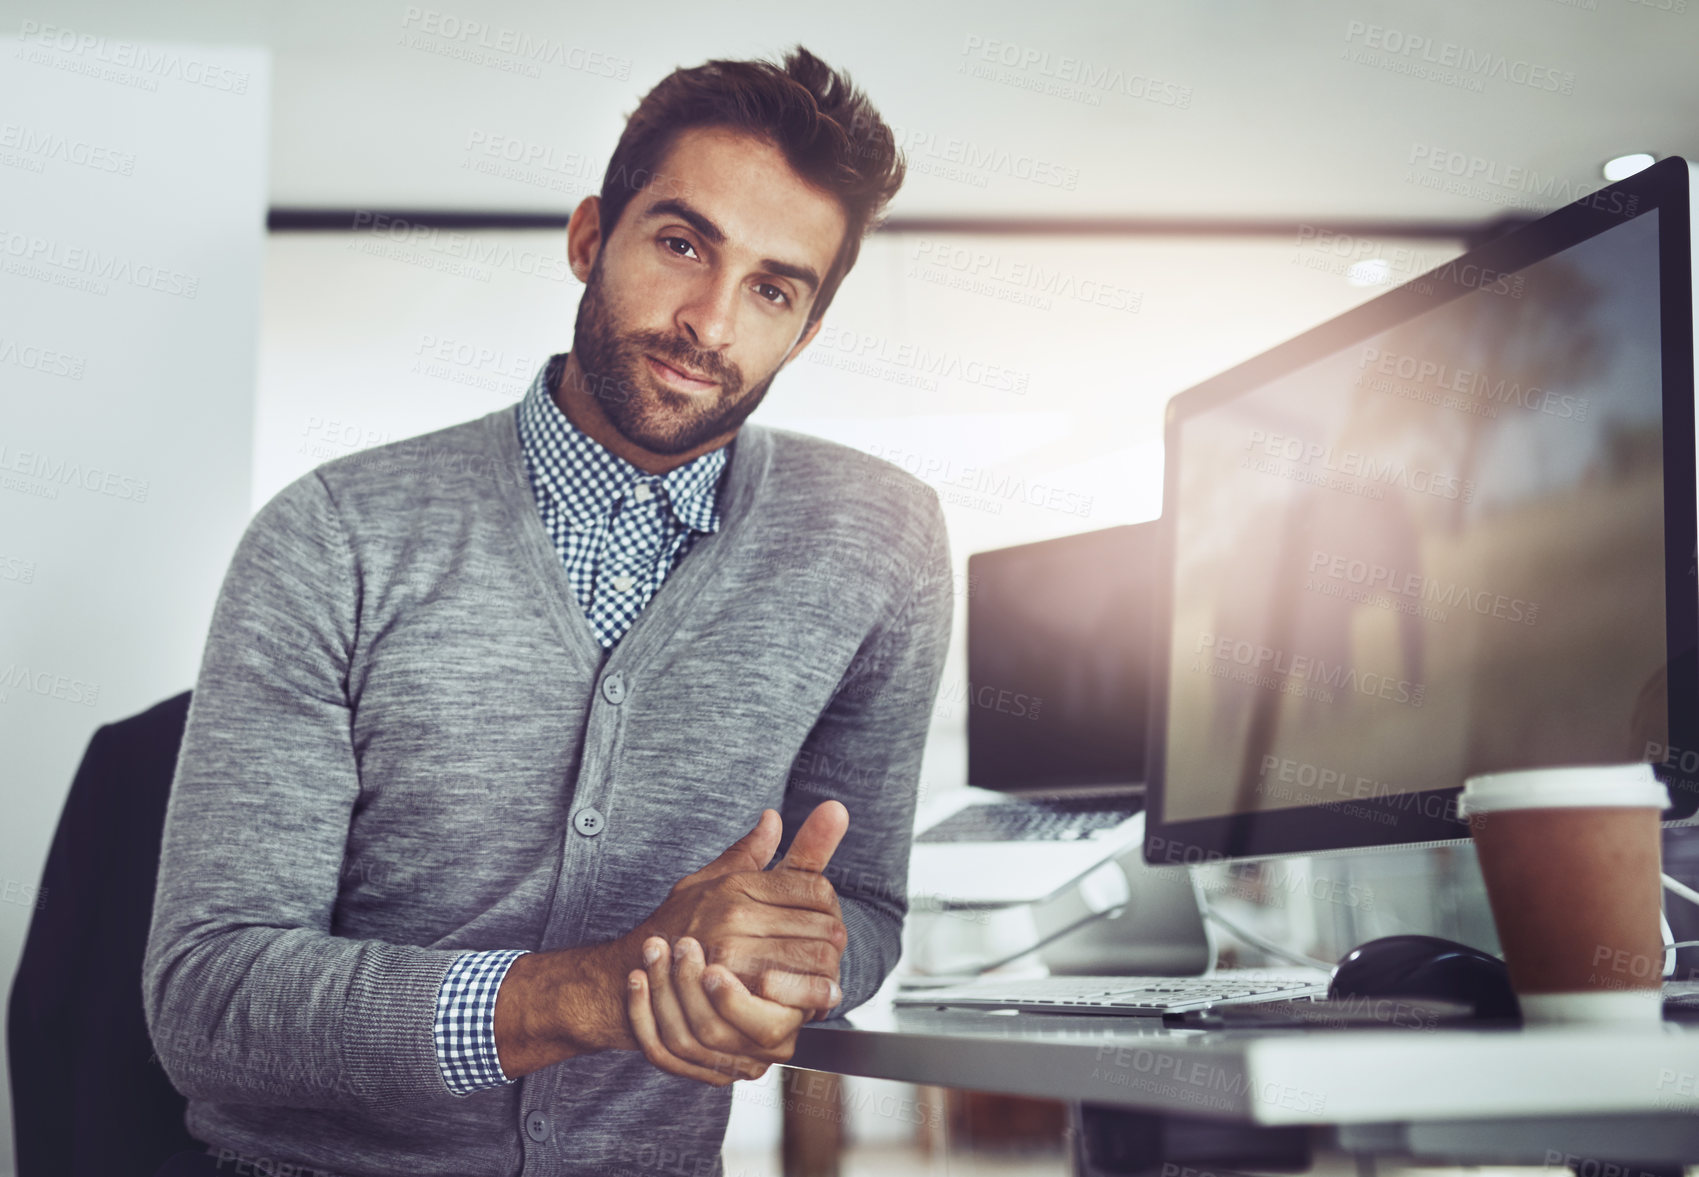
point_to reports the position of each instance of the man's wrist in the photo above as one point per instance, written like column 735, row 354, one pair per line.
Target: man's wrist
column 558, row 1005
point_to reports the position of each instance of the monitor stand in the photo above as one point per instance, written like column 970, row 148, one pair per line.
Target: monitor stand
column 1158, row 929
column 1160, row 932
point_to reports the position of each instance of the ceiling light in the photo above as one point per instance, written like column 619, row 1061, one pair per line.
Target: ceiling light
column 1624, row 166
column 1373, row 272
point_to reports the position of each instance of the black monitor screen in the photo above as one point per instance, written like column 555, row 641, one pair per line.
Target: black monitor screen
column 1437, row 551
column 1059, row 660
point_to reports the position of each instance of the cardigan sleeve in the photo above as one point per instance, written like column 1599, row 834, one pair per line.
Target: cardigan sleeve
column 249, row 997
column 865, row 750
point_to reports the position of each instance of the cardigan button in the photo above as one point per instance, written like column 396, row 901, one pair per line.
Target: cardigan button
column 537, row 1126
column 613, row 688
column 589, row 821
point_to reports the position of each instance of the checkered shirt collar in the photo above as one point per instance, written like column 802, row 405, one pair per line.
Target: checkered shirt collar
column 587, row 480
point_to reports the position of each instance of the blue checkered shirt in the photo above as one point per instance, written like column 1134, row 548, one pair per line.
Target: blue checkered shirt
column 619, row 531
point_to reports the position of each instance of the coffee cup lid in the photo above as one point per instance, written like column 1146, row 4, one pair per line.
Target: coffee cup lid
column 1569, row 787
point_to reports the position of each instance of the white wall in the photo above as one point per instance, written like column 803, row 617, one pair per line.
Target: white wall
column 132, row 217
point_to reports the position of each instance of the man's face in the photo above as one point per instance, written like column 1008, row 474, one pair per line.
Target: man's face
column 702, row 291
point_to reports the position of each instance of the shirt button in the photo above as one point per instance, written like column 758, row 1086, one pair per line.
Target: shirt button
column 623, row 582
column 642, row 493
column 613, row 688
column 537, row 1126
column 588, row 822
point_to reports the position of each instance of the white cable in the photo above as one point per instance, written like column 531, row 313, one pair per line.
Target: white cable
column 1286, row 954
column 1676, row 887
column 977, row 970
column 1264, row 943
column 1298, row 958
column 1269, row 946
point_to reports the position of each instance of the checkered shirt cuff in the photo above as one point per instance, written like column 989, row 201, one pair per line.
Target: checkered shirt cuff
column 465, row 1029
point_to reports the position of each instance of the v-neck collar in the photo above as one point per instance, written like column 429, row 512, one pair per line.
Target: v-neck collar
column 748, row 456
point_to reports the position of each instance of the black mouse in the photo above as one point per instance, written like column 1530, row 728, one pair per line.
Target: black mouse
column 1428, row 967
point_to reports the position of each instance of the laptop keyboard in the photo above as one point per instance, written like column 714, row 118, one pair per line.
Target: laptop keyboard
column 1054, row 820
column 1153, row 996
column 1682, row 995
column 1134, row 996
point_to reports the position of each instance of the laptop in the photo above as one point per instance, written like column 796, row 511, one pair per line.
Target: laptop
column 1057, row 698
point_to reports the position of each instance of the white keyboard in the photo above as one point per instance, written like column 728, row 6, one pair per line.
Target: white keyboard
column 1125, row 996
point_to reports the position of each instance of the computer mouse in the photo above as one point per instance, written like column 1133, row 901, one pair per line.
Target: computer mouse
column 1427, row 967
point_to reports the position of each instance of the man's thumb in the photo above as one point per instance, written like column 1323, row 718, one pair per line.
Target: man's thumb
column 818, row 839
column 753, row 851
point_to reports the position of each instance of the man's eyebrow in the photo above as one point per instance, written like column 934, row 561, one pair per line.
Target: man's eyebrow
column 681, row 210
column 717, row 236
column 802, row 274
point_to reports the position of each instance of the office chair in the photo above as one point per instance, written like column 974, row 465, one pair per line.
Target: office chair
column 88, row 1098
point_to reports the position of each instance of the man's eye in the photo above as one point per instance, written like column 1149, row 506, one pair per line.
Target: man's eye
column 772, row 294
column 673, row 242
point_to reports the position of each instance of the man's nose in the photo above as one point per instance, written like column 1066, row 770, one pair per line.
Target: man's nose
column 710, row 318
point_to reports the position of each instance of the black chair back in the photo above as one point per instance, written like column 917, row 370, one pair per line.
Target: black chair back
column 88, row 1097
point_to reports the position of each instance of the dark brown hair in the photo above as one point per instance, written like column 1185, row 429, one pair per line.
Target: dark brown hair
column 827, row 129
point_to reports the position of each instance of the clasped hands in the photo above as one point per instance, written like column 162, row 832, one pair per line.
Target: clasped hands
column 738, row 958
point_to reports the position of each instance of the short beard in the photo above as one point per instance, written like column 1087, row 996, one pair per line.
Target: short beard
column 612, row 369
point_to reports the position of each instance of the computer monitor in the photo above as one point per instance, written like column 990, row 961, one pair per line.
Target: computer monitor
column 1059, row 660
column 1449, row 532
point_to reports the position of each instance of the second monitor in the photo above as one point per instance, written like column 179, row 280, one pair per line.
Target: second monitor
column 1059, row 655
column 1058, row 688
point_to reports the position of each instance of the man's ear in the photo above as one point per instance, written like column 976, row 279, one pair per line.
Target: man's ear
column 584, row 236
column 802, row 341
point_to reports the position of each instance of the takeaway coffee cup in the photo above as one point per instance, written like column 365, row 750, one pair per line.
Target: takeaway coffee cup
column 1570, row 858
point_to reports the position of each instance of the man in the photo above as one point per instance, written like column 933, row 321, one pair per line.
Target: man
column 456, row 882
